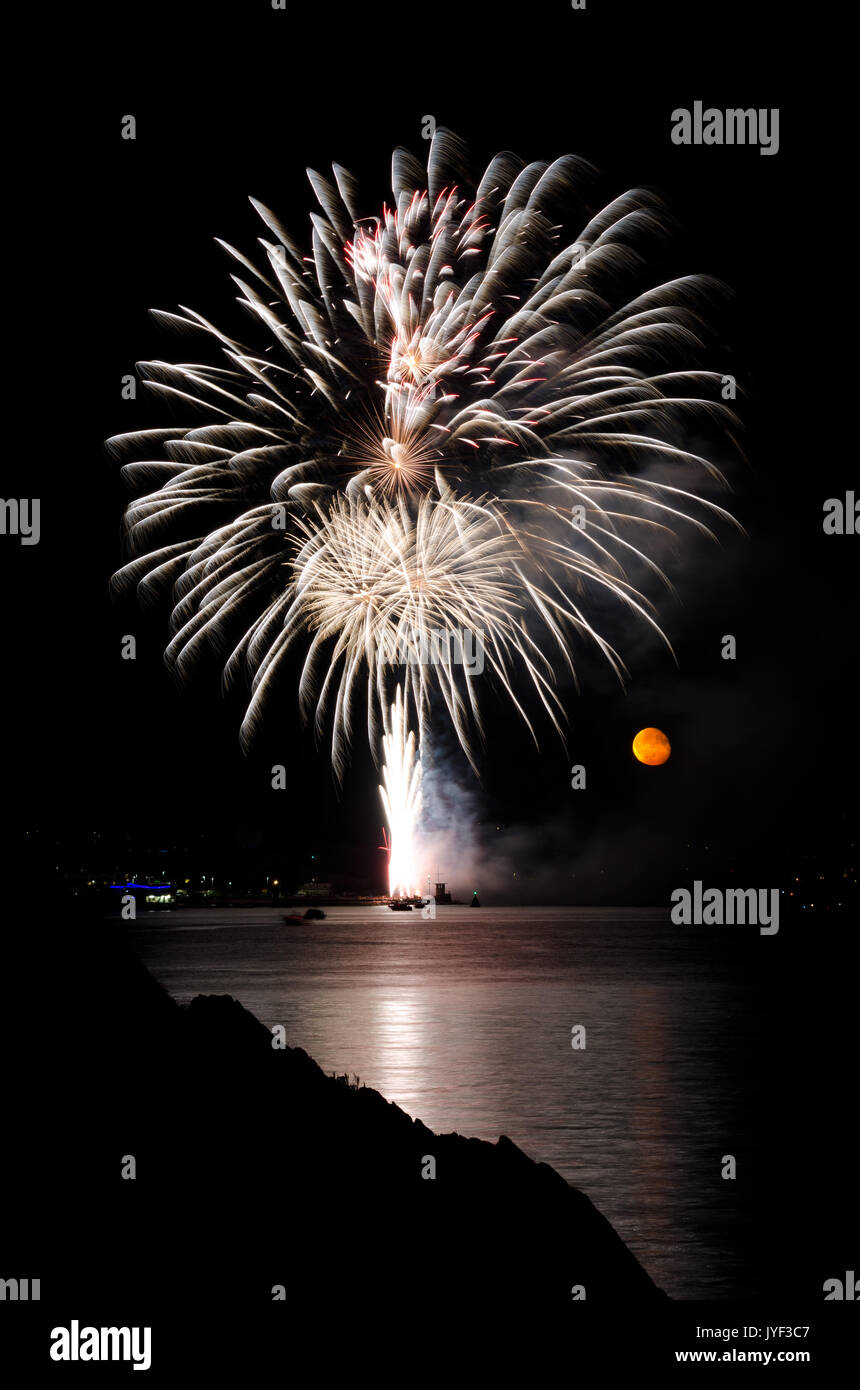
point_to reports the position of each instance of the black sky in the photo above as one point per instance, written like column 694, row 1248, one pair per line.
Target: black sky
column 239, row 101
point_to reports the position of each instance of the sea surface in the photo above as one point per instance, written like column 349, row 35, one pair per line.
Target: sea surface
column 466, row 1022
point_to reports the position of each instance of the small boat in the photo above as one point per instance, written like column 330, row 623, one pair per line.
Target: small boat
column 314, row 914
column 399, row 905
column 293, row 919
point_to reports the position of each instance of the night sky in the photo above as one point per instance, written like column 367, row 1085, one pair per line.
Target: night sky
column 764, row 766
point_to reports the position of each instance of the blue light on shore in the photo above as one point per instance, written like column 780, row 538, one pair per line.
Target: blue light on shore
column 150, row 887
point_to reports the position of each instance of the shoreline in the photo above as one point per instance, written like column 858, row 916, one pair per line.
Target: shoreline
column 279, row 1176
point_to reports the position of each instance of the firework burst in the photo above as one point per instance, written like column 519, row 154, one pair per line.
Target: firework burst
column 450, row 417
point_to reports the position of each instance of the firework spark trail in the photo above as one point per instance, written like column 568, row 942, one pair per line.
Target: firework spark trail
column 401, row 799
column 452, row 421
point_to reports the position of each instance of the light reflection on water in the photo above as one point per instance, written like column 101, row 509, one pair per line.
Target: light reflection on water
column 466, row 1023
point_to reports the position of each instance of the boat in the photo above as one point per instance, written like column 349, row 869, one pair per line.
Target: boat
column 293, row 919
column 400, row 905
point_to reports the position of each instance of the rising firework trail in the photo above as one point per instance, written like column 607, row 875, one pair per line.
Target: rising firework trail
column 451, row 418
column 401, row 799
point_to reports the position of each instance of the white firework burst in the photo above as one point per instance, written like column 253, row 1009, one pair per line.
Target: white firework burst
column 452, row 421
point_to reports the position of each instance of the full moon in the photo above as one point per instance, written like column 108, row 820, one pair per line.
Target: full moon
column 651, row 746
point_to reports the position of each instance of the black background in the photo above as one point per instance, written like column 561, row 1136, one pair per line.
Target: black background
column 240, row 99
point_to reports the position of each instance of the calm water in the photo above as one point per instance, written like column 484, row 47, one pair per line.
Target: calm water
column 466, row 1023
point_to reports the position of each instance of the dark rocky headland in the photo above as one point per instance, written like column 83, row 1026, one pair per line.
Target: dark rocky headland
column 254, row 1170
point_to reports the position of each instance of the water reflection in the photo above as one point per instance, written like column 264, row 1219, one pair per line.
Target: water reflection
column 466, row 1024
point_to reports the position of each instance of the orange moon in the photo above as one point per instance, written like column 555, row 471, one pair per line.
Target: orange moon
column 652, row 747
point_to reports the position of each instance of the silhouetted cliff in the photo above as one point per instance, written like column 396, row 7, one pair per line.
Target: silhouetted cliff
column 255, row 1171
